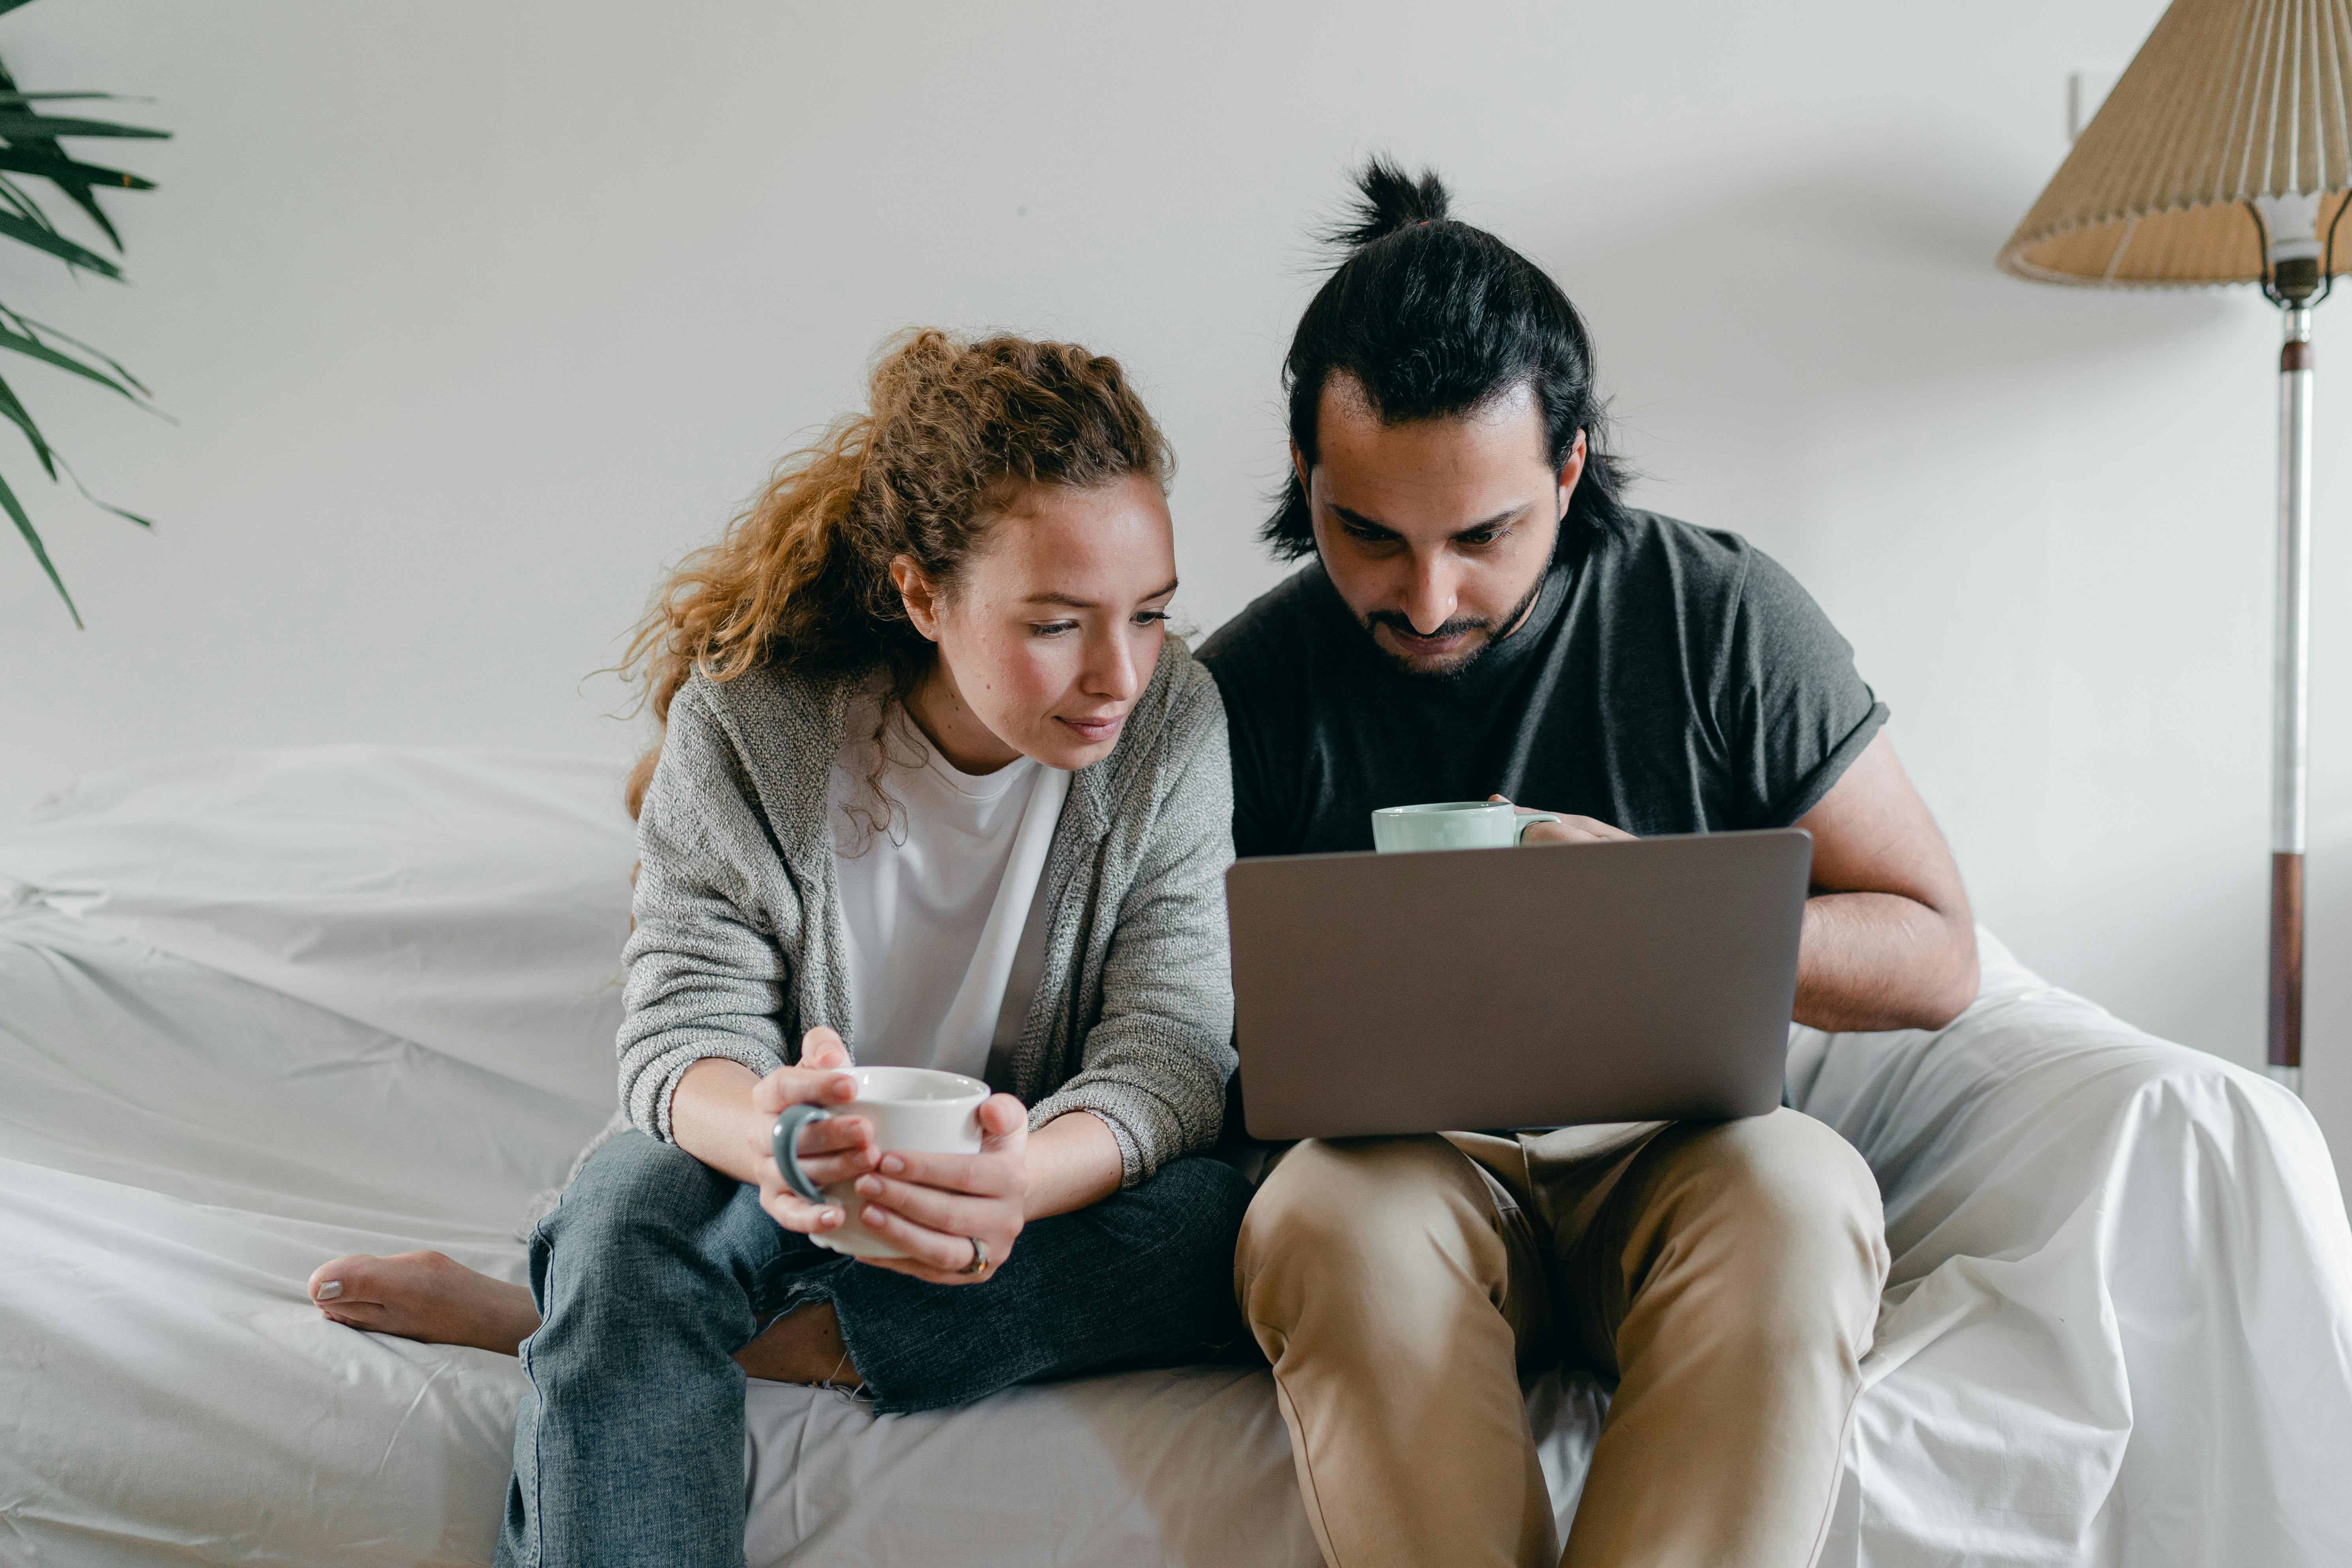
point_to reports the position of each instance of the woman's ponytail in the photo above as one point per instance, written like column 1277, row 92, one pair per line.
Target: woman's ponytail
column 781, row 559
column 801, row 578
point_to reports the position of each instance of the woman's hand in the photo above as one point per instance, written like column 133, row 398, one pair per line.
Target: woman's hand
column 837, row 1149
column 932, row 1207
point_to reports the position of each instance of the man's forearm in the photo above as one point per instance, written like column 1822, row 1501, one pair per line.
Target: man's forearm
column 1881, row 961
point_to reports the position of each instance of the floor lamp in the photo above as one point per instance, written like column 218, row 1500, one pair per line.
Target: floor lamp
column 2224, row 155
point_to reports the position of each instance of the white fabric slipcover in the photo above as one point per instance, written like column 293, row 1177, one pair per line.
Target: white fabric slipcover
column 257, row 1009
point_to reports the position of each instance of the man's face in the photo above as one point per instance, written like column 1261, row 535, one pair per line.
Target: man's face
column 1435, row 532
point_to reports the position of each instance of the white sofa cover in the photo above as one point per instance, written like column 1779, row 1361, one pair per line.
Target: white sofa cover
column 257, row 1009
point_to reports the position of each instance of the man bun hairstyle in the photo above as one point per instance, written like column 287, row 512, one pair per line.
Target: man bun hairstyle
column 1434, row 319
column 1387, row 200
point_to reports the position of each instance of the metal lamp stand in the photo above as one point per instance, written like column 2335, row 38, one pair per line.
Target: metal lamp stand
column 2294, row 289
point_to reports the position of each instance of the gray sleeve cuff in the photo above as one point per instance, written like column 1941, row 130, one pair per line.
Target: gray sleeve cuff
column 1147, row 1129
column 656, row 1085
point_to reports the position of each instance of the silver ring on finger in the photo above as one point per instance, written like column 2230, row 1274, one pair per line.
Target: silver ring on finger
column 979, row 1264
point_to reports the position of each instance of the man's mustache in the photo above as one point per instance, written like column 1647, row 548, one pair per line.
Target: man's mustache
column 1397, row 622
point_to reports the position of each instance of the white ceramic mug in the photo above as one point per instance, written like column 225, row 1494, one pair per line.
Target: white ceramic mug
column 1453, row 825
column 915, row 1110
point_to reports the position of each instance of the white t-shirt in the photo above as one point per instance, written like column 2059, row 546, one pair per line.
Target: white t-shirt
column 937, row 876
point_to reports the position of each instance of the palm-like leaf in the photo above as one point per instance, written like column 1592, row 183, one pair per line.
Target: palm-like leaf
column 27, row 124
column 44, row 331
column 15, row 509
column 17, row 414
column 56, row 245
column 36, row 349
column 30, row 147
column 21, row 161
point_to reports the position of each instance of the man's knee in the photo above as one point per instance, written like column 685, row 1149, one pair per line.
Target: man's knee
column 1792, row 1202
column 1795, row 1171
column 1369, row 1213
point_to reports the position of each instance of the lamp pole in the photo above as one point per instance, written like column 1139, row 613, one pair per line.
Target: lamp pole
column 2230, row 117
column 2290, row 699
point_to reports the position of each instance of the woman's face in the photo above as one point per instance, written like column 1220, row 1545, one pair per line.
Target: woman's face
column 1051, row 630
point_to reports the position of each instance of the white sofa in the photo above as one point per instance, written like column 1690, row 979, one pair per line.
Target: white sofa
column 257, row 1009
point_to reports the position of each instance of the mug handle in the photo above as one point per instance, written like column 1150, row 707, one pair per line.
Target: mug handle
column 1530, row 819
column 786, row 1137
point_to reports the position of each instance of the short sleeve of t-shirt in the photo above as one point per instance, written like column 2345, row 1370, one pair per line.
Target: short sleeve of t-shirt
column 1792, row 707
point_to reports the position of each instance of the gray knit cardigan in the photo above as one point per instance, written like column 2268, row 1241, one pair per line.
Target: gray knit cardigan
column 738, row 942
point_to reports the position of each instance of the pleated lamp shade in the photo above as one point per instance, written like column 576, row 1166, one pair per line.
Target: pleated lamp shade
column 2232, row 106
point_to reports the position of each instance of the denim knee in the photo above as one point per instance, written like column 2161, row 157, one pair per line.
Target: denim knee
column 637, row 1201
column 636, row 1184
column 1211, row 1196
column 1189, row 1208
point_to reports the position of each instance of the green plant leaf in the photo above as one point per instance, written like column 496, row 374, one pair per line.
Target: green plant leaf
column 81, row 196
column 106, row 505
column 40, row 552
column 53, row 97
column 101, row 355
column 24, row 160
column 52, row 461
column 77, row 191
column 8, row 5
column 27, row 127
column 35, row 349
column 58, row 245
column 16, row 196
column 14, row 410
column 37, row 151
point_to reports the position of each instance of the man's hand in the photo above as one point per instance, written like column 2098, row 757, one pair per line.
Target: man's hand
column 934, row 1207
column 838, row 1149
column 1889, row 943
column 1572, row 830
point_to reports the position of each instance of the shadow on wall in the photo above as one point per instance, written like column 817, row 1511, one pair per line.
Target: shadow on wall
column 1778, row 313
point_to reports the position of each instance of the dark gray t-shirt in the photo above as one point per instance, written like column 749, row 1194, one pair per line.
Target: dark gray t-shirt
column 1669, row 679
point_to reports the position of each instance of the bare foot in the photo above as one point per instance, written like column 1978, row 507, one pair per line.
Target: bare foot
column 430, row 1297
column 424, row 1296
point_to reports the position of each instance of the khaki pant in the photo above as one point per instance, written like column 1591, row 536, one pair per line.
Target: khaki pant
column 1725, row 1274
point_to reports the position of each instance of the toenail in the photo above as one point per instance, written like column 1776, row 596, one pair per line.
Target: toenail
column 329, row 1291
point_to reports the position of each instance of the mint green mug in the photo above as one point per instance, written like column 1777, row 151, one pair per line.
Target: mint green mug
column 1453, row 825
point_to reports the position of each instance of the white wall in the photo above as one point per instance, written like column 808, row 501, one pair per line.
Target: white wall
column 473, row 316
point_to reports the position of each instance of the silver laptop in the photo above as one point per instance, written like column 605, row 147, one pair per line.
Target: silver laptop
column 1515, row 988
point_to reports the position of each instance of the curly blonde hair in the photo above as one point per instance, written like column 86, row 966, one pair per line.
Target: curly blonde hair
column 801, row 577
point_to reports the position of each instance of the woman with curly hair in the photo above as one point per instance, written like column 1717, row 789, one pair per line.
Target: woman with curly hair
column 936, row 788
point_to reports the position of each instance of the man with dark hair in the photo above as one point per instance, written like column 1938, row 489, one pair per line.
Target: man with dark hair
column 1484, row 617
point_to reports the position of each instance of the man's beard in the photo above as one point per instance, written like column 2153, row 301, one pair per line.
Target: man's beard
column 1396, row 622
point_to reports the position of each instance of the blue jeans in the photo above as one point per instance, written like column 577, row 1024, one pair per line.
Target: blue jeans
column 655, row 1269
